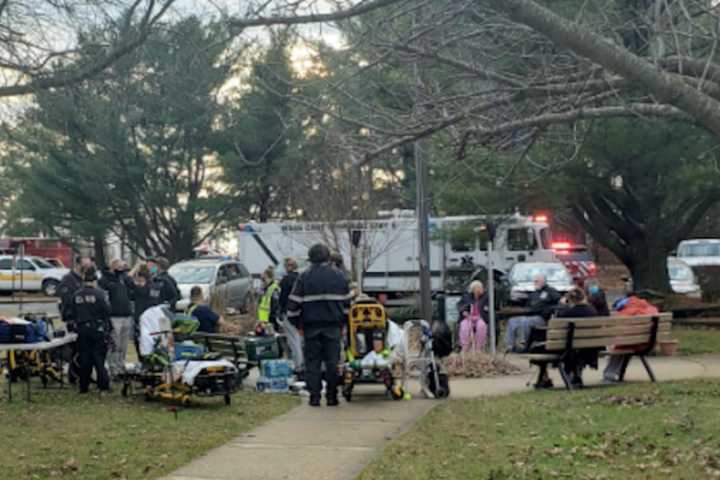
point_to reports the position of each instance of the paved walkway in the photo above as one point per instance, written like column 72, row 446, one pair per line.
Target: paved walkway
column 337, row 443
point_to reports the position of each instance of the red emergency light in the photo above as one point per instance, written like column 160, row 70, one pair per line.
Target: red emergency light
column 561, row 245
column 542, row 218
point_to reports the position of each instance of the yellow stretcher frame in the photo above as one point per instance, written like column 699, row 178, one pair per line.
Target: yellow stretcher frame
column 364, row 315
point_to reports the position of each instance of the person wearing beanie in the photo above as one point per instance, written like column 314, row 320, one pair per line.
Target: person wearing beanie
column 318, row 306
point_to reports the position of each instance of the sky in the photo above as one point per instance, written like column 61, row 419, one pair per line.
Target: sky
column 301, row 55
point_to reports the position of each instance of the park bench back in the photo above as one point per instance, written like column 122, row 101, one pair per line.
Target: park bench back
column 599, row 332
column 231, row 347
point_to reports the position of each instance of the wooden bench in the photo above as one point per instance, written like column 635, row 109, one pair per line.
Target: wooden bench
column 230, row 347
column 568, row 338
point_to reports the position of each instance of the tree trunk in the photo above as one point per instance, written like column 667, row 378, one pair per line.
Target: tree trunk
column 99, row 251
column 648, row 265
column 182, row 247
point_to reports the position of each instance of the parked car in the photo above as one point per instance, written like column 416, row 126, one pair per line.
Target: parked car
column 226, row 280
column 34, row 273
column 682, row 278
column 55, row 262
column 522, row 277
column 699, row 252
column 578, row 261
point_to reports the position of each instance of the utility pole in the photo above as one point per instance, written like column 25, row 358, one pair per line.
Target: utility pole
column 421, row 204
column 426, row 310
column 491, row 297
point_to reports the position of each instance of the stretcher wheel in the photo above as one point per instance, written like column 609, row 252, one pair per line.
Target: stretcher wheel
column 125, row 390
column 397, row 393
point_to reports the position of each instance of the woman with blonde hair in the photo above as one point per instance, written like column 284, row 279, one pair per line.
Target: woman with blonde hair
column 473, row 326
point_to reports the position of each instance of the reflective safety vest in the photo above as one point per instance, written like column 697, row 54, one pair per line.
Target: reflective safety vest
column 266, row 302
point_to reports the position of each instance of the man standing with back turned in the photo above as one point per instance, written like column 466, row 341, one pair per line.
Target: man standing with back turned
column 318, row 306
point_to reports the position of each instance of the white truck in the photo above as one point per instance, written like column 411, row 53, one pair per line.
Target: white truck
column 387, row 250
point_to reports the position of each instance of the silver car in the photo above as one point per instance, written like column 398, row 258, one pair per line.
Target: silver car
column 225, row 281
column 682, row 278
column 522, row 276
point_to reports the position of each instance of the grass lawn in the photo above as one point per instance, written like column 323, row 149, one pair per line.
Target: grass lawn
column 63, row 435
column 641, row 431
column 697, row 340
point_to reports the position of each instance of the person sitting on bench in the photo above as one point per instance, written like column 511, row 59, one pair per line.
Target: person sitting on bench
column 474, row 311
column 630, row 306
column 578, row 307
column 209, row 320
column 541, row 304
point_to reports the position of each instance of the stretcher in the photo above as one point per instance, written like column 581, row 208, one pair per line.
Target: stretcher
column 22, row 361
column 367, row 357
column 161, row 376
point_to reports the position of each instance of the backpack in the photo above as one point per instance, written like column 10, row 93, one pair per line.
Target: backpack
column 19, row 332
column 442, row 339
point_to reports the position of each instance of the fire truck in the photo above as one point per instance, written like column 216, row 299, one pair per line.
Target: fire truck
column 53, row 250
column 577, row 260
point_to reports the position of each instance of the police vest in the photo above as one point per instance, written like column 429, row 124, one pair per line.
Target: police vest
column 155, row 291
column 266, row 302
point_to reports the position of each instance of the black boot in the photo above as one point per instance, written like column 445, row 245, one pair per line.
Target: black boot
column 314, row 401
column 331, row 400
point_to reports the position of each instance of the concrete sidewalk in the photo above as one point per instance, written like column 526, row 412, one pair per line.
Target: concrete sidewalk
column 311, row 443
column 336, row 443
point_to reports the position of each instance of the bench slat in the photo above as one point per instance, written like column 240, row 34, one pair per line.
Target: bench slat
column 614, row 331
column 601, row 342
column 591, row 322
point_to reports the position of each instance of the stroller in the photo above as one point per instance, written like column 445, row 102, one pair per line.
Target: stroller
column 423, row 362
column 167, row 374
column 368, row 356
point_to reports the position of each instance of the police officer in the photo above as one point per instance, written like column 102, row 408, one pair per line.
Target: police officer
column 318, row 306
column 163, row 287
column 69, row 284
column 91, row 311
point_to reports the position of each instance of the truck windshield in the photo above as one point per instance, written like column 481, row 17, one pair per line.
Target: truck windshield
column 699, row 250
column 192, row 274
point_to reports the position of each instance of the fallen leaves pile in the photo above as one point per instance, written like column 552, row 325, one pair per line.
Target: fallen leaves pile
column 478, row 365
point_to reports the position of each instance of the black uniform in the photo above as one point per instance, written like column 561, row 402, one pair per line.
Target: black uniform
column 318, row 305
column 544, row 301
column 164, row 289
column 69, row 284
column 91, row 311
column 120, row 290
